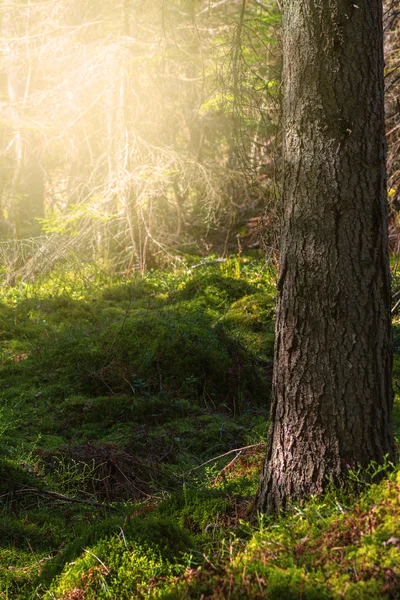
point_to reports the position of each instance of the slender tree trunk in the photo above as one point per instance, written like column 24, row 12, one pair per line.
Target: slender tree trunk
column 332, row 405
column 32, row 190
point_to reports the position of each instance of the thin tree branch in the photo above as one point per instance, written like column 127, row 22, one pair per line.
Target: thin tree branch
column 259, row 445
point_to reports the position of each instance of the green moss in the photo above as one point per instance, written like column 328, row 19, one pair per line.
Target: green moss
column 250, row 319
column 107, row 383
column 197, row 510
column 111, row 569
column 318, row 551
column 255, row 312
column 169, row 352
column 215, row 288
column 153, row 543
column 9, row 329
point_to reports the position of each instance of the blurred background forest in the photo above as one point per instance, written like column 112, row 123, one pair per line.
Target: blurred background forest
column 137, row 132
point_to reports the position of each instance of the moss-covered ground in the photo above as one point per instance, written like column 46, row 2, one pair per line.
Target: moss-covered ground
column 133, row 421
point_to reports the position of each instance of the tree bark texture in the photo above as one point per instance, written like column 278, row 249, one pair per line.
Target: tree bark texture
column 332, row 404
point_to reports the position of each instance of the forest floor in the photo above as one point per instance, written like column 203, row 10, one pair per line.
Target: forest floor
column 133, row 422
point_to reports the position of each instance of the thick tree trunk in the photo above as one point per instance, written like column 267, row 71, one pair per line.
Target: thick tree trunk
column 332, row 405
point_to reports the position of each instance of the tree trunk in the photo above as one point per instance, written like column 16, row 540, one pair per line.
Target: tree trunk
column 332, row 404
column 32, row 190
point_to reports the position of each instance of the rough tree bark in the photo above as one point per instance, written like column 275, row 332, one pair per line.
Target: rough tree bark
column 332, row 404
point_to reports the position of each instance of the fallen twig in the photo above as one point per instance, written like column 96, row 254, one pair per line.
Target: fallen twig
column 227, row 466
column 63, row 498
column 225, row 454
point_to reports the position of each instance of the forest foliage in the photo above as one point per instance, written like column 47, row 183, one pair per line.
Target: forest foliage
column 139, row 127
column 129, row 469
column 140, row 151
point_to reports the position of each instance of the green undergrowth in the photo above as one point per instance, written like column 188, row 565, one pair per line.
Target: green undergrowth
column 133, row 421
column 333, row 547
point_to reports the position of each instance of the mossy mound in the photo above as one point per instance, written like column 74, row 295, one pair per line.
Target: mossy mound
column 111, row 569
column 196, row 544
column 132, row 433
column 178, row 354
column 323, row 550
column 112, row 542
column 214, row 288
column 251, row 320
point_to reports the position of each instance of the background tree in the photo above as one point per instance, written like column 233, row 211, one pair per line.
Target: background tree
column 391, row 23
column 148, row 122
column 332, row 406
